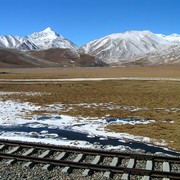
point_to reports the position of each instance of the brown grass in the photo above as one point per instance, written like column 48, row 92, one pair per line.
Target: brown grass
column 150, row 71
column 160, row 130
column 150, row 94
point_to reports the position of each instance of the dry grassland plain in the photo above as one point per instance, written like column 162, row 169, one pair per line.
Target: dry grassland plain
column 108, row 72
column 158, row 97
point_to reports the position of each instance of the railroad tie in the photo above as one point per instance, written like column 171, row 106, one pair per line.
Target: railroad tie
column 43, row 155
column 131, row 164
column 61, row 156
column 114, row 163
column 149, row 166
column 27, row 153
column 2, row 147
column 68, row 169
column 14, row 150
column 96, row 160
column 166, row 167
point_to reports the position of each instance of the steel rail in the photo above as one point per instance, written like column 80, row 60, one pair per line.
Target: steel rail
column 92, row 151
column 94, row 167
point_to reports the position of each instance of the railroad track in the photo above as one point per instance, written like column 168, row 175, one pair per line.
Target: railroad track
column 125, row 164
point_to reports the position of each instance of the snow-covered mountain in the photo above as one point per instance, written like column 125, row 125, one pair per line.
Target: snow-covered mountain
column 45, row 39
column 172, row 38
column 120, row 48
column 10, row 41
column 27, row 46
column 166, row 55
column 129, row 46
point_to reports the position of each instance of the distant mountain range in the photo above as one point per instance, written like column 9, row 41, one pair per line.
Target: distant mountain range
column 47, row 48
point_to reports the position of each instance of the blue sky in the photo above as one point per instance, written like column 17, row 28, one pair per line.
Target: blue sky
column 82, row 21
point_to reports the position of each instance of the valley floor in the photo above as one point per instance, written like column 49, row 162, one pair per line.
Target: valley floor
column 171, row 71
column 155, row 102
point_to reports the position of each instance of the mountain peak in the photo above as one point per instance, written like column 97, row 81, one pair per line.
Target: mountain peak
column 48, row 30
column 174, row 35
column 171, row 38
column 44, row 39
column 46, row 33
column 130, row 34
column 47, row 39
column 138, row 33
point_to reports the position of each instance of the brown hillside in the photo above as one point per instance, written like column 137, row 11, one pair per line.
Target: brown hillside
column 68, row 58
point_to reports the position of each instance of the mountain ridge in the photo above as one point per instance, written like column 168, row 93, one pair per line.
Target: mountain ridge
column 42, row 40
column 130, row 46
column 116, row 49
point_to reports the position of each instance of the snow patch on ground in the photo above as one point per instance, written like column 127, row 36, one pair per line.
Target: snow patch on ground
column 106, row 106
column 24, row 93
column 15, row 114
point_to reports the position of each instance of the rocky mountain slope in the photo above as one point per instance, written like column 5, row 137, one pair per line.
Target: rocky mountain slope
column 12, row 58
column 132, row 46
column 45, row 39
column 68, row 58
column 165, row 55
